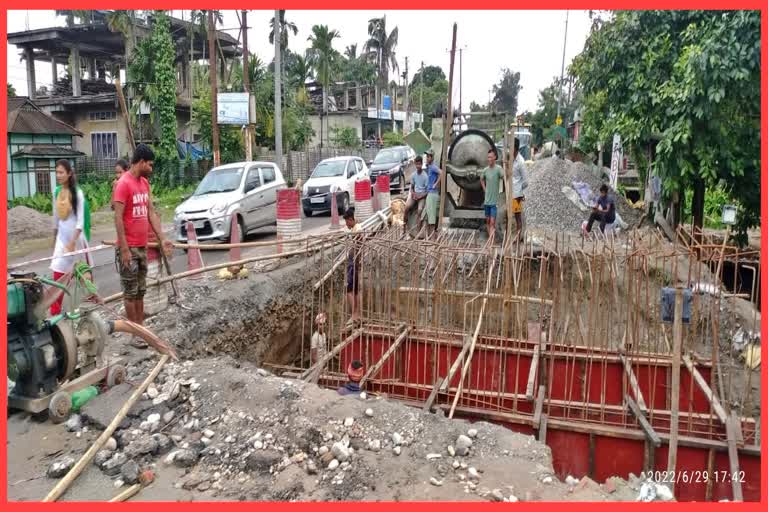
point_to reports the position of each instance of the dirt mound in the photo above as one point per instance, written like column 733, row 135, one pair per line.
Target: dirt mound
column 546, row 206
column 25, row 224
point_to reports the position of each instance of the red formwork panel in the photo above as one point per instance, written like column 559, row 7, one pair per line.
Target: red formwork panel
column 568, row 384
column 605, row 382
column 615, row 456
column 485, row 371
column 516, row 372
column 750, row 487
column 570, row 452
column 417, row 362
column 652, row 381
column 446, row 356
column 691, row 397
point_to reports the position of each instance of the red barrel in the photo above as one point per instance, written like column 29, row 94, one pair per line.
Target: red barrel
column 288, row 204
column 382, row 183
column 362, row 190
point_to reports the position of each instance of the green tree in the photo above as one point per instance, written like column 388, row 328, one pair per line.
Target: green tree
column 543, row 120
column 72, row 16
column 381, row 47
column 506, row 91
column 691, row 80
column 323, row 58
column 11, row 91
column 165, row 75
column 286, row 27
column 124, row 22
column 345, row 137
column 357, row 68
column 432, row 98
column 430, row 75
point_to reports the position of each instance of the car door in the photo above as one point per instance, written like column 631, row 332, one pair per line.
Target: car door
column 268, row 196
column 251, row 198
column 352, row 177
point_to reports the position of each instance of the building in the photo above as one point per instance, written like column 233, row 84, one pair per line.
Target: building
column 87, row 100
column 351, row 105
column 574, row 128
column 35, row 141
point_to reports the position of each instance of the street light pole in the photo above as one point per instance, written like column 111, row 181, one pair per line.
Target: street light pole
column 562, row 67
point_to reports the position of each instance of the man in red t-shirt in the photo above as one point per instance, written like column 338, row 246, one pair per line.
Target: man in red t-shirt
column 134, row 215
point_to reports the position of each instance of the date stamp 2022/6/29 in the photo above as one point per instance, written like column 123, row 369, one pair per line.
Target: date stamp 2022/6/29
column 692, row 477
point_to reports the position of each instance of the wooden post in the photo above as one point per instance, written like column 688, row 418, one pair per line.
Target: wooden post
column 677, row 334
column 124, row 112
column 447, row 132
column 214, row 89
column 247, row 88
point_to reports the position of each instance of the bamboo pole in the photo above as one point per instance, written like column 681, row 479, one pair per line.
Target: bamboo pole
column 447, row 134
column 70, row 477
column 677, row 341
column 128, row 493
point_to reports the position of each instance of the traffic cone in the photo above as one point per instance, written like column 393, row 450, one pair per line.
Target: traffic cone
column 334, row 212
column 234, row 252
column 194, row 257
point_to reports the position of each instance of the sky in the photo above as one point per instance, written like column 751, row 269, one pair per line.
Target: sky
column 530, row 42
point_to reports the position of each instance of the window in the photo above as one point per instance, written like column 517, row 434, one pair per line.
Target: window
column 252, row 181
column 102, row 116
column 104, row 144
column 268, row 173
column 43, row 176
column 351, row 169
column 359, row 165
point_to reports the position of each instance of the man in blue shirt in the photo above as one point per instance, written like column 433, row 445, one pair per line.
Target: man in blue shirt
column 417, row 195
column 431, row 210
column 604, row 211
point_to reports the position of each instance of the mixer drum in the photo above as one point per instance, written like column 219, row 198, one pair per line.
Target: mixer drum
column 467, row 156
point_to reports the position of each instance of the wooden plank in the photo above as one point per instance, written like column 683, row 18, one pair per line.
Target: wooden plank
column 532, row 373
column 432, row 395
column 591, row 470
column 733, row 460
column 539, row 406
column 543, row 428
column 677, row 342
column 710, row 472
column 704, row 387
column 736, row 424
column 391, row 350
column 633, row 384
column 650, row 433
column 313, row 373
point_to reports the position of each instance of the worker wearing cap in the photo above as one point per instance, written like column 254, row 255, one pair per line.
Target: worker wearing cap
column 318, row 344
column 355, row 372
column 432, row 208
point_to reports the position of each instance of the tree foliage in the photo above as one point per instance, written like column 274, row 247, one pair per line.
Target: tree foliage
column 542, row 121
column 165, row 75
column 429, row 75
column 689, row 79
column 11, row 90
column 505, row 92
column 286, row 27
column 381, row 48
column 345, row 137
column 435, row 98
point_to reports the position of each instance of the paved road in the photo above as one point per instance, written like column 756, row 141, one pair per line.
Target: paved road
column 108, row 281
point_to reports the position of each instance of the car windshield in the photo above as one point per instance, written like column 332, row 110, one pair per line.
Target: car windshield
column 387, row 157
column 220, row 180
column 329, row 169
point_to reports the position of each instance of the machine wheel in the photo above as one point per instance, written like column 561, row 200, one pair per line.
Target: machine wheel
column 307, row 213
column 59, row 406
column 115, row 375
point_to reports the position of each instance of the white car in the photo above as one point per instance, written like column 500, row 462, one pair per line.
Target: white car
column 340, row 174
column 247, row 190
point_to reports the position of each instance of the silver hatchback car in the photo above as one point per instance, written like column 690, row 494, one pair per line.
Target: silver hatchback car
column 247, row 190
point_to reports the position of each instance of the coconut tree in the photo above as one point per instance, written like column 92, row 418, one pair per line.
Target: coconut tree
column 351, row 52
column 125, row 23
column 71, row 16
column 323, row 58
column 285, row 27
column 380, row 48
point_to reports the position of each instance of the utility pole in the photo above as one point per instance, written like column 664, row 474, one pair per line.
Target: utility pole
column 562, row 67
column 447, row 133
column 421, row 95
column 489, row 100
column 406, row 125
column 279, row 96
column 214, row 88
column 460, row 111
column 247, row 89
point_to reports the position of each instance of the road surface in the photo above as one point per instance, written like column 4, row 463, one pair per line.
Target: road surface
column 105, row 272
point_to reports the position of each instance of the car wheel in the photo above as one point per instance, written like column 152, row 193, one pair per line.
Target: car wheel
column 242, row 229
column 344, row 203
column 307, row 213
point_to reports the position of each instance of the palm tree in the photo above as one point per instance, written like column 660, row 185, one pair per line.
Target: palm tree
column 124, row 22
column 323, row 58
column 285, row 27
column 380, row 48
column 297, row 70
column 351, row 52
column 76, row 15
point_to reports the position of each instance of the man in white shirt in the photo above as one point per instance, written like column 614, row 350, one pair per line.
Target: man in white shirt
column 519, row 184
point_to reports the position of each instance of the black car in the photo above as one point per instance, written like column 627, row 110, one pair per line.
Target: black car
column 397, row 162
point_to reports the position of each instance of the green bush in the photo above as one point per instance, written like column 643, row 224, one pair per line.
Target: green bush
column 714, row 199
column 40, row 202
column 392, row 139
column 345, row 137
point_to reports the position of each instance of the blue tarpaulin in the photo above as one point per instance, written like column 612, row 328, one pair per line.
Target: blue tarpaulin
column 195, row 150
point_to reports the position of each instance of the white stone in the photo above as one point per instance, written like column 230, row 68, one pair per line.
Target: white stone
column 167, row 417
column 209, row 433
column 432, row 456
column 110, row 444
column 473, row 473
column 333, row 464
column 152, row 392
column 547, row 480
column 169, row 458
column 322, row 450
column 451, row 451
column 396, row 450
column 375, row 445
column 163, row 397
column 206, row 441
column 153, row 418
column 194, row 386
column 455, row 464
column 397, row 439
column 258, row 445
column 472, row 432
column 571, row 480
column 363, row 395
column 340, row 451
column 118, row 483
column 369, row 412
column 175, row 390
column 229, row 439
column 348, row 422
column 434, row 481
column 463, row 443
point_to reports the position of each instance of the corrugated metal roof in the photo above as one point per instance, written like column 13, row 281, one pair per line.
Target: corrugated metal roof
column 46, row 150
column 25, row 117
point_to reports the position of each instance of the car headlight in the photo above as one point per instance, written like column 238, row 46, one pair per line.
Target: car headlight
column 305, row 191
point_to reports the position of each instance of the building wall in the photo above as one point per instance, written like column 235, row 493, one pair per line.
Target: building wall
column 21, row 178
column 331, row 121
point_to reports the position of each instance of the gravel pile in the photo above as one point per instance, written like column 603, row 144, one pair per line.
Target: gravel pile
column 547, row 207
column 25, row 223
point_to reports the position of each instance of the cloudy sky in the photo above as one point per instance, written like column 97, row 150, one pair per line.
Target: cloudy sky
column 530, row 42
